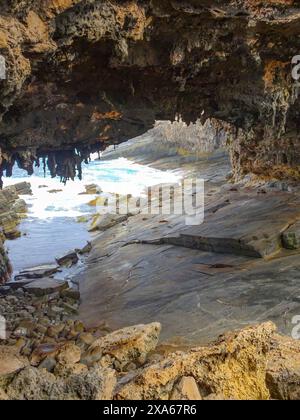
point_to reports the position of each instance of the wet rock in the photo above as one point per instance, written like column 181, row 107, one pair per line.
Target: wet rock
column 34, row 384
column 20, row 207
column 10, row 361
column 23, row 188
column 69, row 354
column 71, row 258
column 291, row 237
column 186, row 389
column 43, row 351
column 85, row 340
column 45, row 286
column 55, row 191
column 125, row 346
column 93, row 189
column 9, row 222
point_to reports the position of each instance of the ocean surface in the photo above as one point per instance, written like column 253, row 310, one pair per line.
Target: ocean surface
column 52, row 228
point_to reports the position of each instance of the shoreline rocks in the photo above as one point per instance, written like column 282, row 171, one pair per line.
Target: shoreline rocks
column 251, row 364
column 12, row 211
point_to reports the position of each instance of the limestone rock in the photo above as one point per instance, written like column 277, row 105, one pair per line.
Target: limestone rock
column 34, row 384
column 235, row 367
column 23, row 188
column 10, row 361
column 69, row 354
column 3, row 395
column 186, row 389
column 125, row 346
column 283, row 369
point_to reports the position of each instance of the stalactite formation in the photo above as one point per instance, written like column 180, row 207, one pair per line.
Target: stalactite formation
column 91, row 73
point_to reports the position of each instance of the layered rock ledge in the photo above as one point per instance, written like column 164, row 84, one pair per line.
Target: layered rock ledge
column 83, row 74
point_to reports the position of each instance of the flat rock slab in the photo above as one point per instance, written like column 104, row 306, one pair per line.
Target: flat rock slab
column 38, row 272
column 247, row 224
column 45, row 286
column 15, row 285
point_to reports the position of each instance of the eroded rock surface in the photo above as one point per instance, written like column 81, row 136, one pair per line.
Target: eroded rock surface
column 90, row 73
column 252, row 364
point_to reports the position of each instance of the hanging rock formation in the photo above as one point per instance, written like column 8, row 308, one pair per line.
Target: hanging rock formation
column 83, row 74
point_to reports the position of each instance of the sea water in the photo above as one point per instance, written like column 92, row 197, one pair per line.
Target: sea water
column 52, row 228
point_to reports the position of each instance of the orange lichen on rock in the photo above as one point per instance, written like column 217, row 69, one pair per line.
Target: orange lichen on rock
column 274, row 71
column 112, row 115
column 130, row 10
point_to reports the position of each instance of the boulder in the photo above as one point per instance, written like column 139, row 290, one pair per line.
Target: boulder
column 291, row 237
column 120, row 348
column 38, row 272
column 45, row 286
column 67, row 260
column 20, row 207
column 69, row 354
column 35, row 384
column 10, row 361
column 55, row 191
column 96, row 384
column 283, row 369
column 39, row 384
column 23, row 188
column 9, row 222
column 235, row 366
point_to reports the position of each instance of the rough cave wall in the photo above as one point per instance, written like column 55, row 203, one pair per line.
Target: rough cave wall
column 83, row 74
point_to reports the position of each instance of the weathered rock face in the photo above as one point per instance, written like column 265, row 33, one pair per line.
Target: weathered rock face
column 12, row 210
column 252, row 364
column 89, row 73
